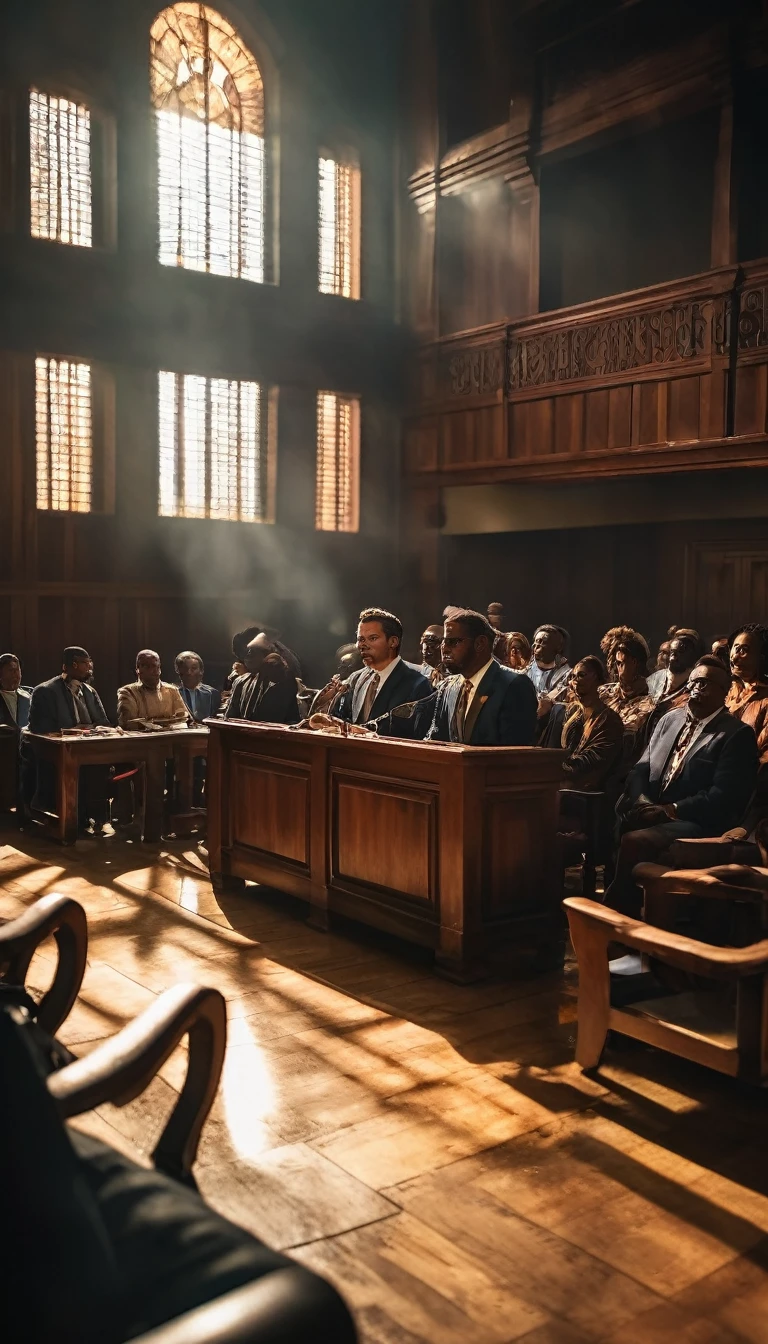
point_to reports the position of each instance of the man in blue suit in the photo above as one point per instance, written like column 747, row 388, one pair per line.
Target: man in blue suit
column 385, row 681
column 202, row 701
column 481, row 704
column 695, row 778
column 15, row 699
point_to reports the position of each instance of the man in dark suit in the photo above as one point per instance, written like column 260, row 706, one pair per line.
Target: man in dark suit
column 202, row 701
column 482, row 704
column 695, row 778
column 384, row 682
column 267, row 692
column 69, row 701
column 15, row 701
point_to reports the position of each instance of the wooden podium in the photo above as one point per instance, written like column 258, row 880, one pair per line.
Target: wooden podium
column 450, row 847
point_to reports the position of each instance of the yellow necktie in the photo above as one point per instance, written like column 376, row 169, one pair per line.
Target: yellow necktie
column 461, row 708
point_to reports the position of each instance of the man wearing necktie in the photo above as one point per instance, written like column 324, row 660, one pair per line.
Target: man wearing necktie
column 68, row 701
column 695, row 778
column 481, row 703
column 385, row 681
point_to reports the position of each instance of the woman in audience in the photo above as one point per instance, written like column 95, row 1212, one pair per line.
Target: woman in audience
column 610, row 642
column 592, row 733
column 748, row 697
column 518, row 651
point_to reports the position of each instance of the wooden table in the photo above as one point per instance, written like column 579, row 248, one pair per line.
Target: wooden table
column 68, row 753
column 451, row 847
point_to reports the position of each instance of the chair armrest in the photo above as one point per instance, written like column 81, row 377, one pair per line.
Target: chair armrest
column 712, row 883
column 123, row 1067
column 686, row 953
column 19, row 940
column 288, row 1306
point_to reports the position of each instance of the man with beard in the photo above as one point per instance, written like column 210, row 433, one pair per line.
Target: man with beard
column 267, row 692
column 695, row 778
column 481, row 703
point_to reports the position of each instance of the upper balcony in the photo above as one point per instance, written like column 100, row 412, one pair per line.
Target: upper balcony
column 669, row 378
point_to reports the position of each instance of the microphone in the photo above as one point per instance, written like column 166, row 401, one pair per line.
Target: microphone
column 405, row 711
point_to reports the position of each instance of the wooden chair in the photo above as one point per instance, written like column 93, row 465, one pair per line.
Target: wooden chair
column 724, row 1026
column 135, row 1243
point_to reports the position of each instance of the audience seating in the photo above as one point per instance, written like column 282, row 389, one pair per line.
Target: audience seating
column 124, row 1252
column 717, row 1022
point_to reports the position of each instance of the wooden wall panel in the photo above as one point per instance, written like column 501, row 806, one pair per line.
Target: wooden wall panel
column 270, row 807
column 408, row 819
column 684, row 409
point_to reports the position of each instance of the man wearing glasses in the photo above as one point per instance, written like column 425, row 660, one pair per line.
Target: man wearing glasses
column 481, row 703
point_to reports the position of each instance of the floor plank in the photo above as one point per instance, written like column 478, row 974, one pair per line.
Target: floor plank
column 431, row 1148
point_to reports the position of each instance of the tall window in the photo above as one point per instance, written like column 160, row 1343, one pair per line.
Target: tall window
column 208, row 95
column 214, row 449
column 64, row 435
column 339, row 227
column 337, row 498
column 60, row 170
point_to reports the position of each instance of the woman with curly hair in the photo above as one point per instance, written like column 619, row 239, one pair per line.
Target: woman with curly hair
column 613, row 638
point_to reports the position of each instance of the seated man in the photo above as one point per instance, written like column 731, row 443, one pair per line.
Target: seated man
column 15, row 699
column 592, row 733
column 385, row 681
column 549, row 668
column 432, row 665
column 481, row 703
column 267, row 692
column 666, row 681
column 628, row 697
column 202, row 701
column 149, row 704
column 67, row 701
column 695, row 778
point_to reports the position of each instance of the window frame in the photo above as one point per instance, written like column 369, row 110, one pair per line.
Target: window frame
column 251, row 31
column 345, row 156
column 103, row 164
column 269, row 395
column 356, row 402
column 103, row 407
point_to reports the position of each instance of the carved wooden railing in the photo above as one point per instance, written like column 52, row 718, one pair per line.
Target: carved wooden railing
column 665, row 378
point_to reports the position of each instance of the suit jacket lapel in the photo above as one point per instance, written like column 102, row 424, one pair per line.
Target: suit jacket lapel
column 5, row 714
column 386, row 697
column 478, row 701
column 703, row 738
column 65, row 695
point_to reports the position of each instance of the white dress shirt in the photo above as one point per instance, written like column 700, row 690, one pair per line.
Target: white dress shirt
column 361, row 689
column 475, row 682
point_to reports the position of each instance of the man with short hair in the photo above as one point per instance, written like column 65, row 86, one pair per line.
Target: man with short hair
column 386, row 682
column 549, row 669
column 481, row 703
column 267, row 692
column 202, row 701
column 669, row 691
column 149, row 704
column 695, row 778
column 15, row 699
column 67, row 701
column 432, row 666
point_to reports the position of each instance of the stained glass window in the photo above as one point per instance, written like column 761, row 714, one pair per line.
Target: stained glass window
column 208, row 95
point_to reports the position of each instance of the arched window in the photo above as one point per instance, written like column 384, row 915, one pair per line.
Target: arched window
column 208, row 94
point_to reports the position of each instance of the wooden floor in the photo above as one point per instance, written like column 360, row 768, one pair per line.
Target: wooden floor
column 431, row 1149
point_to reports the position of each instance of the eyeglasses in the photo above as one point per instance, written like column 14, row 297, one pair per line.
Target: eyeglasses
column 451, row 643
column 432, row 639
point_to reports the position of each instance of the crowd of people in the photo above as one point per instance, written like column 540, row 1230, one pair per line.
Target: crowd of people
column 677, row 742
